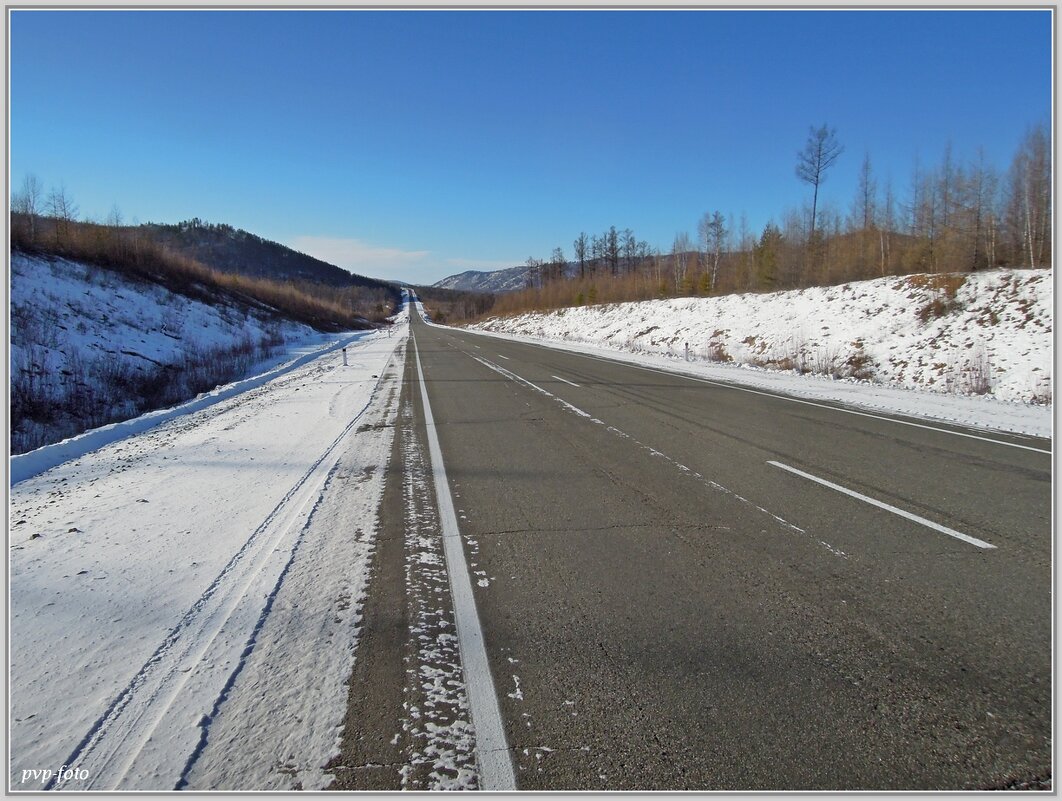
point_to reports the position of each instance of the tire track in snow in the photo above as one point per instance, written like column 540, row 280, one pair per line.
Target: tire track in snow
column 254, row 737
column 220, row 619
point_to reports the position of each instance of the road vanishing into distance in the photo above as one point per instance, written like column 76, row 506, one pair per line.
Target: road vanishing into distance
column 650, row 581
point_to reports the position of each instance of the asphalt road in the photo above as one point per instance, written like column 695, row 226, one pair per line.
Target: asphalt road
column 671, row 597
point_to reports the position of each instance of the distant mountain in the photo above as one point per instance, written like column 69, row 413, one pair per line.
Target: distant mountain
column 507, row 280
column 510, row 279
column 236, row 251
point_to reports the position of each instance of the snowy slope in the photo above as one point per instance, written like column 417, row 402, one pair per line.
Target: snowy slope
column 995, row 334
column 85, row 341
column 143, row 577
column 510, row 279
column 507, row 280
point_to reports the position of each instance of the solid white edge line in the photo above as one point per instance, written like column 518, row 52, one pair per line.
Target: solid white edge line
column 779, row 396
column 921, row 520
column 492, row 749
column 565, row 380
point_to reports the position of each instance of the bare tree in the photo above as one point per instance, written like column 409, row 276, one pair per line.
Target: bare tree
column 27, row 201
column 947, row 181
column 680, row 252
column 863, row 217
column 924, row 217
column 581, row 246
column 612, row 249
column 533, row 279
column 712, row 229
column 557, row 263
column 888, row 225
column 981, row 192
column 62, row 209
column 1029, row 190
column 114, row 218
column 630, row 249
column 864, row 208
column 820, row 152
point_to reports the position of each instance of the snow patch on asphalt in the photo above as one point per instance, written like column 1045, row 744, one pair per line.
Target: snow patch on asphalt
column 438, row 721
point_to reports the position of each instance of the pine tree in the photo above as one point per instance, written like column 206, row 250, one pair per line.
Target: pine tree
column 767, row 254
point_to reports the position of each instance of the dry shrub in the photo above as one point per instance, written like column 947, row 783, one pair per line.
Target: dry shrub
column 945, row 287
column 107, row 389
column 717, row 353
column 859, row 365
column 949, row 283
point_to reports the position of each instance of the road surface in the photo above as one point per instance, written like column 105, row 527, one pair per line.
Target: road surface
column 676, row 584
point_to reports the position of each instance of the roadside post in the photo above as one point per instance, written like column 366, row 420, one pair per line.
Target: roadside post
column 345, row 358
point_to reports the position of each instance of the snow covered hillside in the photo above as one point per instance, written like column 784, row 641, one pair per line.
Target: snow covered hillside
column 90, row 346
column 507, row 280
column 977, row 334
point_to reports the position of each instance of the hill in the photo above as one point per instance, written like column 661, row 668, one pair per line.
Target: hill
column 233, row 250
column 507, row 280
column 334, row 300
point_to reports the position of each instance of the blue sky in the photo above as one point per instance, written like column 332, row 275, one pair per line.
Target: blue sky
column 417, row 144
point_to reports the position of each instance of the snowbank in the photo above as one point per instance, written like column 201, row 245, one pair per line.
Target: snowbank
column 974, row 349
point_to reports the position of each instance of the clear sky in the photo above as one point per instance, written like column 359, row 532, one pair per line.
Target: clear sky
column 417, row 144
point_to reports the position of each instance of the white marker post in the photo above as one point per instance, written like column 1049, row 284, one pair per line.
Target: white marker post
column 345, row 358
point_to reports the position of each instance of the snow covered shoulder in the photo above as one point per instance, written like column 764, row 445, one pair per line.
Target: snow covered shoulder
column 968, row 348
column 149, row 580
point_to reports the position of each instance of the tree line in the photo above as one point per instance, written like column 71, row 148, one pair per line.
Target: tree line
column 959, row 215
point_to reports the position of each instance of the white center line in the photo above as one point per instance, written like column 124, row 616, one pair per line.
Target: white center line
column 565, row 380
column 503, row 357
column 492, row 750
column 921, row 520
